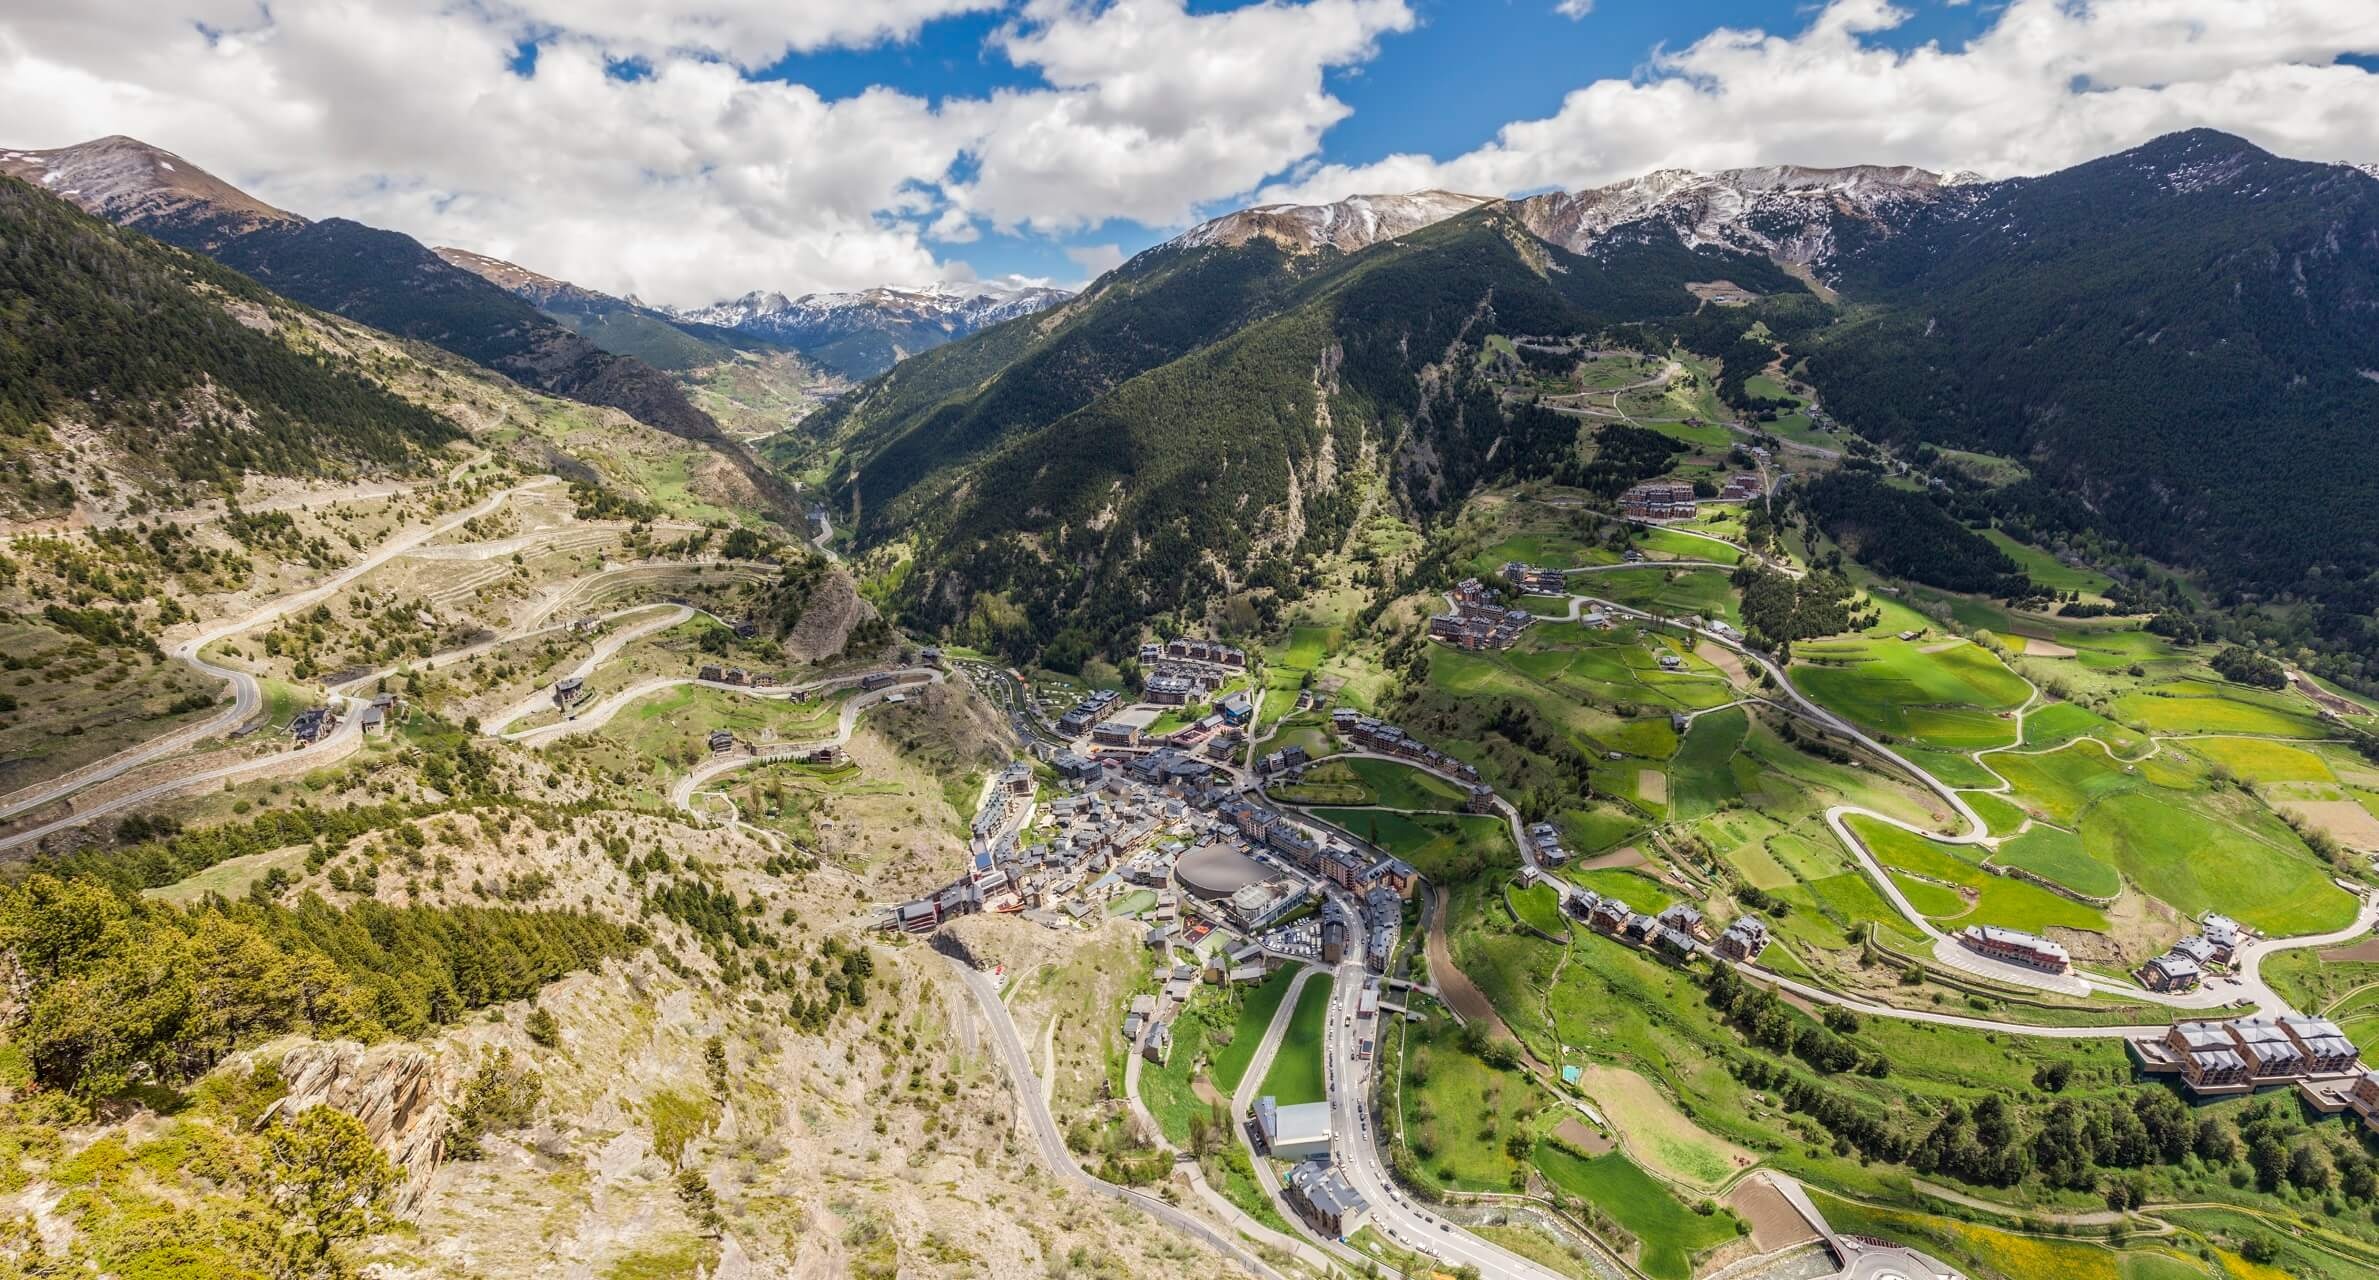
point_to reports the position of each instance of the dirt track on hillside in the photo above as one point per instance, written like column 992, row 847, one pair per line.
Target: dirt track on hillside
column 1454, row 986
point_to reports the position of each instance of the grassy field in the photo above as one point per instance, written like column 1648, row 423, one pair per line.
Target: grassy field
column 1459, row 1114
column 1256, row 1007
column 1674, row 593
column 1669, row 1233
column 1942, row 697
column 1296, row 1074
column 1442, row 846
column 1701, row 775
column 1539, row 907
column 2058, row 855
column 1972, row 895
column 1373, row 782
column 1167, row 1088
column 2204, row 706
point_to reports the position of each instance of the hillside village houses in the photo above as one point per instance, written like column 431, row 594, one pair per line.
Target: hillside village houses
column 1535, row 581
column 1660, row 500
column 1479, row 620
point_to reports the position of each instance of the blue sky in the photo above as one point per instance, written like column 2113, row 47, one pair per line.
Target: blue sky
column 692, row 150
column 1468, row 68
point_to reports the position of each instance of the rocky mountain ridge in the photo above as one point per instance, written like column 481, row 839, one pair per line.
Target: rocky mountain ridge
column 863, row 332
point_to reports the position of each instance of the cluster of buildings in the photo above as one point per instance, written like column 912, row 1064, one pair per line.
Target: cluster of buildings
column 2186, row 965
column 1369, row 734
column 743, row 679
column 2014, row 946
column 2215, row 1059
column 1676, row 933
column 1372, row 925
column 1187, row 649
column 1743, row 940
column 1479, row 619
column 1743, row 486
column 1085, row 715
column 1660, row 500
column 1536, row 581
column 1544, row 839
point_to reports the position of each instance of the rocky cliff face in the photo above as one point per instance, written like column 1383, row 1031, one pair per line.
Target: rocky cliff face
column 399, row 1091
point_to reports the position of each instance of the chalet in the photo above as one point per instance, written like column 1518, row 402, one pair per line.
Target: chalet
column 1322, row 1196
column 1611, row 915
column 1671, row 661
column 568, row 690
column 745, row 628
column 1639, row 927
column 1536, row 581
column 2223, row 934
column 1158, row 1047
column 1283, row 760
column 1238, row 708
column 1685, row 919
column 2209, row 1059
column 374, row 719
column 1545, row 839
column 763, row 680
column 875, row 680
column 721, row 740
column 1481, row 799
column 1744, row 939
column 2171, row 971
column 932, row 656
column 739, row 677
column 1674, row 943
column 2014, row 946
column 711, row 674
column 313, row 724
column 1393, row 874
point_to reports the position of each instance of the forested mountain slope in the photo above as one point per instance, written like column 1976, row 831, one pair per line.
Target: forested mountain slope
column 2185, row 336
column 1205, row 410
column 172, row 363
column 382, row 278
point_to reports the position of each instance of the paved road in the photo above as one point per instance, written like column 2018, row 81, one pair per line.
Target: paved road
column 1355, row 1143
column 1029, row 1101
column 247, row 692
column 603, row 651
column 682, row 794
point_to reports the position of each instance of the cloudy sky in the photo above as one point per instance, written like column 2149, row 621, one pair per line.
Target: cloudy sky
column 687, row 150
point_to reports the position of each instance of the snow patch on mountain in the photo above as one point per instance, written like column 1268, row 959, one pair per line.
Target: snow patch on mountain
column 954, row 310
column 1788, row 212
column 1357, row 222
column 129, row 182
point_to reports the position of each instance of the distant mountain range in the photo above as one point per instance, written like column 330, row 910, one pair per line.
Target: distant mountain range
column 862, row 334
column 2181, row 342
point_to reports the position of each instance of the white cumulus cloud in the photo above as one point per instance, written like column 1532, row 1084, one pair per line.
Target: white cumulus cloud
column 2048, row 84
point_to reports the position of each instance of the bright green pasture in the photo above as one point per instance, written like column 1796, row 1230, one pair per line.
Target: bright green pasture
column 1670, row 592
column 1701, row 775
column 1950, row 698
column 1997, row 899
column 1670, row 1232
column 2185, row 855
column 1999, row 813
column 1443, row 846
column 1539, row 907
column 1296, row 1074
column 2058, row 854
column 1228, row 1063
column 1459, row 1113
column 1639, row 892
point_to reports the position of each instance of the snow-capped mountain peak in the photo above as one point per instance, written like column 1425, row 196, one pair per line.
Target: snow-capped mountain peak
column 864, row 331
column 129, row 182
column 1357, row 222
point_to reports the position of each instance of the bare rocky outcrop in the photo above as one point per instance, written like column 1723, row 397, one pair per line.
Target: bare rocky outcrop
column 398, row 1091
